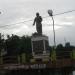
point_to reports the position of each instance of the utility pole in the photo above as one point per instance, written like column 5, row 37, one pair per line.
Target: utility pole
column 50, row 12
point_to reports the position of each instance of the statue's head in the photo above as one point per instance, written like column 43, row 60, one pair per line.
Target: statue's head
column 37, row 14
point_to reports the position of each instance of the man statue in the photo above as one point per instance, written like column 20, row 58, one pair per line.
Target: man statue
column 38, row 20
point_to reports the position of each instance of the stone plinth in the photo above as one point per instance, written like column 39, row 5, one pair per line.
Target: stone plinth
column 40, row 46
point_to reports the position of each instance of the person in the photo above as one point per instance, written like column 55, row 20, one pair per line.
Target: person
column 38, row 20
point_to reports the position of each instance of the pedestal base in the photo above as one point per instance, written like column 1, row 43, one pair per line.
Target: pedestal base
column 40, row 47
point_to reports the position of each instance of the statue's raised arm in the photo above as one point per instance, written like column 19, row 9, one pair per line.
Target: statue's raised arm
column 38, row 20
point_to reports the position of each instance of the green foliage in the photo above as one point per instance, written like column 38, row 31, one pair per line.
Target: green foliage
column 1, row 42
column 18, row 59
column 53, row 55
column 23, row 57
column 26, row 44
column 73, row 54
column 17, row 46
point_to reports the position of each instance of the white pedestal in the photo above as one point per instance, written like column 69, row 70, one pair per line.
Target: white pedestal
column 40, row 47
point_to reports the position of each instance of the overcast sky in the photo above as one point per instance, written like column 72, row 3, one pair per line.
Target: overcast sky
column 14, row 11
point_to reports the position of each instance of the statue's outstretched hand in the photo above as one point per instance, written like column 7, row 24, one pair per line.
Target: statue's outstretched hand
column 34, row 22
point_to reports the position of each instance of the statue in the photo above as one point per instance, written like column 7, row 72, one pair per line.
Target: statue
column 38, row 20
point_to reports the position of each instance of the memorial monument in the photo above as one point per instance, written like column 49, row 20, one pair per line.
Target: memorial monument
column 39, row 41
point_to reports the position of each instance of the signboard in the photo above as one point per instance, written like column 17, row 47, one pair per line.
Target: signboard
column 32, row 66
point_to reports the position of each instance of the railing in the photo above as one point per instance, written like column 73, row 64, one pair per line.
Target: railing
column 19, row 61
column 58, row 64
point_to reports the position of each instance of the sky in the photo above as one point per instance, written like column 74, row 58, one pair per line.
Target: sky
column 15, row 12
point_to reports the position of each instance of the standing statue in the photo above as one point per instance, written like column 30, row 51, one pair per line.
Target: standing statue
column 38, row 20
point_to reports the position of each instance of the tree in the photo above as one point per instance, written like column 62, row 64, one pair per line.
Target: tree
column 26, row 44
column 59, row 51
column 26, row 47
column 1, row 47
column 12, row 45
column 16, row 46
column 68, row 50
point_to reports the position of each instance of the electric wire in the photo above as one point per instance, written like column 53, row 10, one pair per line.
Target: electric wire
column 3, row 26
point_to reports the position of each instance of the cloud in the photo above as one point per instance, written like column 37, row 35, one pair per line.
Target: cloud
column 14, row 11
